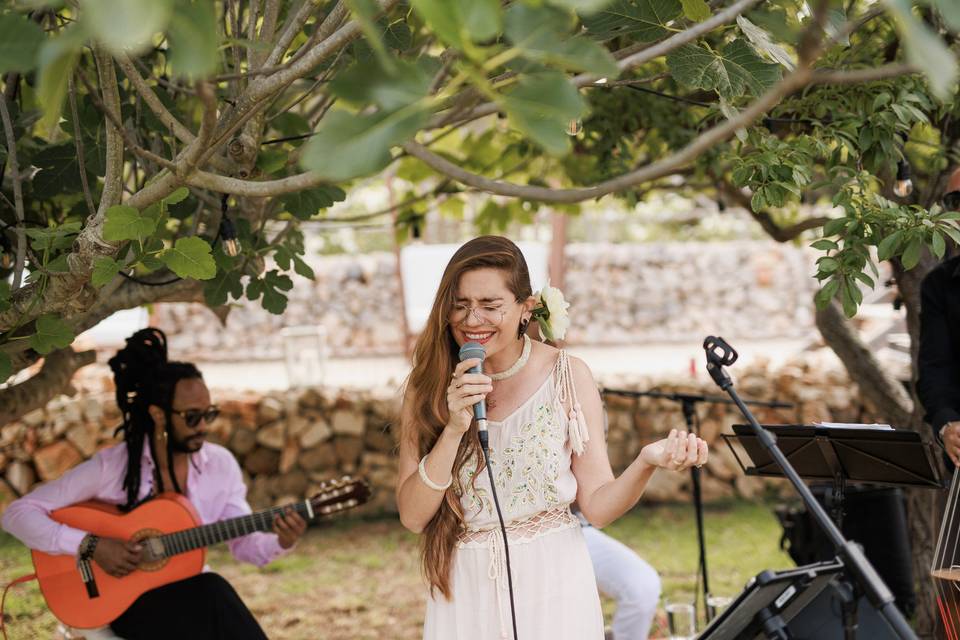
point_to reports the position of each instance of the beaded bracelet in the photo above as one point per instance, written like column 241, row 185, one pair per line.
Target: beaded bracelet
column 87, row 546
column 430, row 483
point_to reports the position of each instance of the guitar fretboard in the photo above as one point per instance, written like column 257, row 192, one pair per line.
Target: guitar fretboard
column 210, row 534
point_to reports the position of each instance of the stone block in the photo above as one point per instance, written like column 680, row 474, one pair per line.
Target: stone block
column 20, row 476
column 348, row 450
column 269, row 409
column 272, row 436
column 348, row 423
column 317, row 432
column 243, row 441
column 84, row 437
column 55, row 459
column 7, row 495
column 262, row 461
column 322, row 457
column 380, row 440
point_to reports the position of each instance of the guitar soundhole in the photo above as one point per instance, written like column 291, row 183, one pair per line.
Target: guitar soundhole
column 153, row 558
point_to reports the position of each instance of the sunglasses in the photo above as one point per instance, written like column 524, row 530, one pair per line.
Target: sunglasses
column 193, row 416
column 951, row 201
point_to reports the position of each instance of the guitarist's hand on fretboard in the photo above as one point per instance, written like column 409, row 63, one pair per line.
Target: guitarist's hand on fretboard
column 289, row 526
column 117, row 557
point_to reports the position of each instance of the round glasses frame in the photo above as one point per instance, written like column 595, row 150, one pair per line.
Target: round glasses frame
column 459, row 314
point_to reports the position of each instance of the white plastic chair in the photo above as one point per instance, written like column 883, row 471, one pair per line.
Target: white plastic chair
column 100, row 633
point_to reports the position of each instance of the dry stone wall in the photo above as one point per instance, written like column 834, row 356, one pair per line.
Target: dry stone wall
column 289, row 442
column 619, row 293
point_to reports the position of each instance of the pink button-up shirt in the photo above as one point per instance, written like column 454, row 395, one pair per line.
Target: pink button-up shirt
column 215, row 487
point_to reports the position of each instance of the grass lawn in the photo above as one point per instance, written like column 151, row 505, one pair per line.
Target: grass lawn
column 359, row 580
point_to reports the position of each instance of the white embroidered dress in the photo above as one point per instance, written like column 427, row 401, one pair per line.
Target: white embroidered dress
column 554, row 587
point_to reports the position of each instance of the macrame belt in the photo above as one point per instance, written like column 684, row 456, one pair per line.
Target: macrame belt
column 518, row 531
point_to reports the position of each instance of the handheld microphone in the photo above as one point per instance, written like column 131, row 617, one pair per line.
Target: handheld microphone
column 476, row 350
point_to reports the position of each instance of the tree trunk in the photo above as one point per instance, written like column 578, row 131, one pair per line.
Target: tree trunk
column 900, row 407
column 924, row 507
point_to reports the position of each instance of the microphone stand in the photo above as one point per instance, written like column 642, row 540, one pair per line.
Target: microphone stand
column 688, row 403
column 863, row 576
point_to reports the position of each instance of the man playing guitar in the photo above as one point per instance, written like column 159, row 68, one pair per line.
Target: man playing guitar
column 166, row 408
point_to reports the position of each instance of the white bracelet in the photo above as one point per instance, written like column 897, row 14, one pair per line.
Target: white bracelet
column 430, row 483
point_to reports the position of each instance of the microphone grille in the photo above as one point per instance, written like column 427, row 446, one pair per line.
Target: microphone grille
column 472, row 350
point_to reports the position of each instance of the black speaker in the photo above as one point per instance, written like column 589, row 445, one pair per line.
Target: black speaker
column 875, row 518
column 822, row 619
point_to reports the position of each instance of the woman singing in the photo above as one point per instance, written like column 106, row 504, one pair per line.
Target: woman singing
column 546, row 451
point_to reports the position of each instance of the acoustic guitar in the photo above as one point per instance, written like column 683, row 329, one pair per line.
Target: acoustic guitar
column 174, row 547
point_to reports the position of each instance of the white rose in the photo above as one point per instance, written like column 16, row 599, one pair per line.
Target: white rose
column 555, row 327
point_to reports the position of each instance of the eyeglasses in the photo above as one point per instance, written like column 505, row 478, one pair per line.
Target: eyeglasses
column 193, row 416
column 951, row 201
column 485, row 315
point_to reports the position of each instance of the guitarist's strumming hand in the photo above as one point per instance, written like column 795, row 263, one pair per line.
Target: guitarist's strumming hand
column 289, row 526
column 117, row 557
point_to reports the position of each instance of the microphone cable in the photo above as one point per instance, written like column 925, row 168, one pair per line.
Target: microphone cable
column 484, row 437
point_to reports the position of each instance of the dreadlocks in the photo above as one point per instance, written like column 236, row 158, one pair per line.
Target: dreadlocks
column 144, row 377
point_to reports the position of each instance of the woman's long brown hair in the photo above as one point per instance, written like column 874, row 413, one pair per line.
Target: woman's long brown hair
column 434, row 359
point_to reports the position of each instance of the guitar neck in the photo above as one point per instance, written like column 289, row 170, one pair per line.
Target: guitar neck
column 214, row 533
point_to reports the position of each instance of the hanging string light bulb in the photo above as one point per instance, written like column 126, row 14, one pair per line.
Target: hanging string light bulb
column 228, row 232
column 574, row 127
column 6, row 252
column 903, row 187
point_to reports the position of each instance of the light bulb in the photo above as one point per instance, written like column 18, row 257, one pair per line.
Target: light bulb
column 228, row 235
column 574, row 127
column 903, row 187
column 6, row 252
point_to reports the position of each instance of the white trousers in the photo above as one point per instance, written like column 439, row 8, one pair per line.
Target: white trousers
column 627, row 578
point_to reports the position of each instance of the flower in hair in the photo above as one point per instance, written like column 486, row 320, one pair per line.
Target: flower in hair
column 551, row 313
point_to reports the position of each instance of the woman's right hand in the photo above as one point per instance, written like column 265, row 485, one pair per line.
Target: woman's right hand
column 464, row 391
column 117, row 557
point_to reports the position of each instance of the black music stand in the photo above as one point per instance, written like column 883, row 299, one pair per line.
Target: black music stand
column 688, row 403
column 770, row 601
column 841, row 455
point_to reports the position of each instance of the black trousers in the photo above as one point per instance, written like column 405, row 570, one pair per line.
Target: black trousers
column 202, row 607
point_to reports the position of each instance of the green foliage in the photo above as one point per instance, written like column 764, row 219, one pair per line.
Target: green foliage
column 310, row 202
column 870, row 220
column 126, row 223
column 925, row 49
column 695, row 10
column 734, row 71
column 541, row 106
column 645, row 20
column 217, row 290
column 541, row 35
column 194, row 39
column 461, row 22
column 349, row 145
column 51, row 333
column 125, row 26
column 390, row 87
column 190, row 258
column 56, row 61
column 104, row 270
column 20, row 40
column 271, row 288
column 583, row 7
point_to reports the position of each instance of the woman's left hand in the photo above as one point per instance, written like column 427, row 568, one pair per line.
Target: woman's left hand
column 678, row 451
